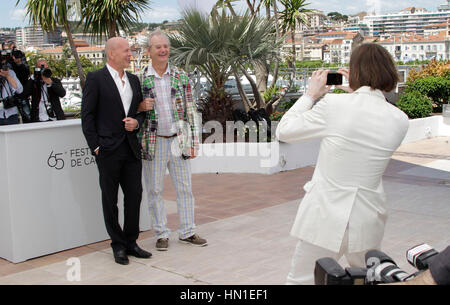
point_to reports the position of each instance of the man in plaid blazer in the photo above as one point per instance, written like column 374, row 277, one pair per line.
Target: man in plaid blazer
column 169, row 137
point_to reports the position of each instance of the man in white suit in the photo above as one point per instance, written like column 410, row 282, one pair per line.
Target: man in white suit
column 343, row 211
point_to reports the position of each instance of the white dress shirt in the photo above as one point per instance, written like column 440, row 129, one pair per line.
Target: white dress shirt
column 124, row 87
column 43, row 115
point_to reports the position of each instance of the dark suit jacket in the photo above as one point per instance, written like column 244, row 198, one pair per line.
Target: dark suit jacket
column 102, row 112
column 55, row 92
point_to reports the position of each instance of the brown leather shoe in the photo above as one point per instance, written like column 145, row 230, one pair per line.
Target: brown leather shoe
column 194, row 240
column 162, row 244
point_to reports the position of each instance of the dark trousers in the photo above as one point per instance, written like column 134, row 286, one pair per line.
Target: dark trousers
column 14, row 119
column 121, row 167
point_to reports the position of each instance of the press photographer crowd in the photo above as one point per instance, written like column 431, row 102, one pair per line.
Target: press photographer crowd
column 26, row 97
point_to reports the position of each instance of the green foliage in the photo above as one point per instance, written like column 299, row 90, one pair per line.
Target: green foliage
column 102, row 17
column 287, row 105
column 271, row 92
column 415, row 105
column 339, row 91
column 436, row 88
column 336, row 16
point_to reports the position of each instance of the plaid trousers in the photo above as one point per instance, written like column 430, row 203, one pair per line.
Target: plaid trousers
column 180, row 173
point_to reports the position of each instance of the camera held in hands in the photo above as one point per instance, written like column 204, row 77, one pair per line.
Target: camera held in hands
column 8, row 102
column 380, row 268
column 334, row 78
column 42, row 71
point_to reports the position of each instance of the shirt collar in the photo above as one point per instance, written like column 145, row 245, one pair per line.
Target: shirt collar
column 151, row 70
column 115, row 73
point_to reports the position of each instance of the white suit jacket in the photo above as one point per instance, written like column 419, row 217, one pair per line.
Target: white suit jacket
column 360, row 132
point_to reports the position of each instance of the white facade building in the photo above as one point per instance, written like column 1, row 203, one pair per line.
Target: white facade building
column 33, row 36
column 410, row 20
column 408, row 48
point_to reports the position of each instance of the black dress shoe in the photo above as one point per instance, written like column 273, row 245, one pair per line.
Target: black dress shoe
column 138, row 252
column 121, row 257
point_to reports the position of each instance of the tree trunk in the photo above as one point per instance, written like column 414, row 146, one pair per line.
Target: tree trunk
column 277, row 29
column 112, row 30
column 75, row 56
column 268, row 11
column 258, row 99
column 262, row 75
column 243, row 95
column 294, row 56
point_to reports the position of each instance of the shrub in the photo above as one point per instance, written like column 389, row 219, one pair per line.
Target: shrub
column 287, row 105
column 271, row 92
column 415, row 105
column 437, row 88
column 339, row 91
column 276, row 116
column 434, row 68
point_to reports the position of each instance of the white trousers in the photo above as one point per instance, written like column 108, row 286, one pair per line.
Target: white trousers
column 180, row 172
column 306, row 254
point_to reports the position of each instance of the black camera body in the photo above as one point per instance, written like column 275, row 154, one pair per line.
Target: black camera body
column 329, row 272
column 8, row 102
column 380, row 268
column 334, row 78
column 41, row 71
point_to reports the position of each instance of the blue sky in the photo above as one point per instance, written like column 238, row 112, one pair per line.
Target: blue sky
column 12, row 16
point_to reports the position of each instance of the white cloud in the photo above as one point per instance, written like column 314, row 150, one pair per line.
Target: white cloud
column 202, row 5
column 159, row 14
column 18, row 14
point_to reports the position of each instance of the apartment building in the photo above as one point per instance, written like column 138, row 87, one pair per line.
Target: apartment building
column 315, row 25
column 95, row 54
column 413, row 47
column 33, row 36
column 410, row 20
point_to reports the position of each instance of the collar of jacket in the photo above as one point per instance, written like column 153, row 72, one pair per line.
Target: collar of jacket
column 368, row 90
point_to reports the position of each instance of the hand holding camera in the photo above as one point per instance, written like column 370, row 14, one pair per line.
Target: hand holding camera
column 318, row 84
column 43, row 74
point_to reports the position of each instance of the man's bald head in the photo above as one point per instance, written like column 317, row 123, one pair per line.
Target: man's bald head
column 118, row 53
column 113, row 43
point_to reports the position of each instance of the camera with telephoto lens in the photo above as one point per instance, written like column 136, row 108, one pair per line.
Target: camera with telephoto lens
column 41, row 71
column 421, row 256
column 380, row 268
column 5, row 55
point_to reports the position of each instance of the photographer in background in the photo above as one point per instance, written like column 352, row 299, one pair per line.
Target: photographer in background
column 20, row 67
column 45, row 92
column 9, row 86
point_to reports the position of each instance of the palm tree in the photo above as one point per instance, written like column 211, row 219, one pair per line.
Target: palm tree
column 221, row 46
column 49, row 14
column 294, row 12
column 225, row 3
column 277, row 30
column 254, row 42
column 105, row 17
column 203, row 42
